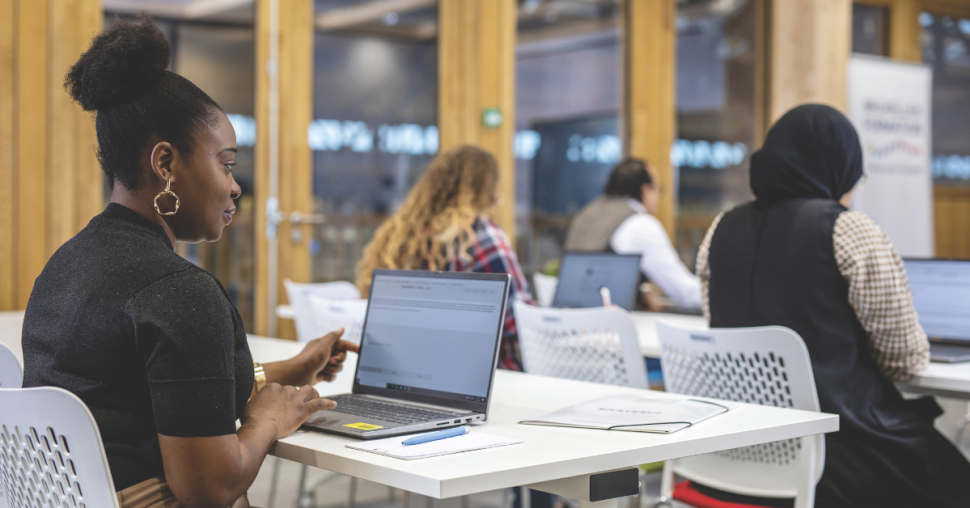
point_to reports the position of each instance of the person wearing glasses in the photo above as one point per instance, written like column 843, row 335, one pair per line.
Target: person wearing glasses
column 797, row 257
column 622, row 221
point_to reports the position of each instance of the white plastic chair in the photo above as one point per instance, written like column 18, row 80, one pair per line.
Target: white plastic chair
column 545, row 288
column 298, row 294
column 597, row 345
column 11, row 375
column 766, row 365
column 51, row 452
column 328, row 315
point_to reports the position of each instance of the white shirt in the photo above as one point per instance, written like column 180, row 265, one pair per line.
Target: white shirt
column 643, row 234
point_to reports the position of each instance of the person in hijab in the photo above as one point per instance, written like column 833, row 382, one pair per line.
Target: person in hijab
column 797, row 257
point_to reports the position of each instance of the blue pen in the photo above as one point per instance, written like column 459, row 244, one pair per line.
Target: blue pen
column 436, row 436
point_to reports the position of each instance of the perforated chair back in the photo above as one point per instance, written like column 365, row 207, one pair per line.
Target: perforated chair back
column 298, row 294
column 51, row 453
column 328, row 315
column 767, row 366
column 597, row 344
column 545, row 288
column 11, row 375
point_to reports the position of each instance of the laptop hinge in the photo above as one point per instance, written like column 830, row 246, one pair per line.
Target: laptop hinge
column 415, row 404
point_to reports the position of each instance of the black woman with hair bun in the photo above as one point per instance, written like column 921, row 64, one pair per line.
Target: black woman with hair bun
column 150, row 342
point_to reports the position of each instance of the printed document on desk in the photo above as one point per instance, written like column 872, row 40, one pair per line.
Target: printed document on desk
column 392, row 446
column 656, row 413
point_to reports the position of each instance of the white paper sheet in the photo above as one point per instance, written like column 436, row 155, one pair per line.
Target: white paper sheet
column 656, row 413
column 392, row 446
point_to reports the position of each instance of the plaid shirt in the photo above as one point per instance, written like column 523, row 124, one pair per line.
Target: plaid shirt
column 491, row 252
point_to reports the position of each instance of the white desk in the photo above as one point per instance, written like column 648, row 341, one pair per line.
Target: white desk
column 548, row 453
column 11, row 328
column 647, row 328
column 941, row 379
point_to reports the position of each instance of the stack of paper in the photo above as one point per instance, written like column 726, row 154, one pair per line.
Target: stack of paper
column 392, row 446
column 657, row 412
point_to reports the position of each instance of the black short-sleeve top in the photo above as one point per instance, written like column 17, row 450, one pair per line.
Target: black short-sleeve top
column 149, row 341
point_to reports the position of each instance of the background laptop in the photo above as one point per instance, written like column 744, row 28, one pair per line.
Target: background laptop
column 582, row 274
column 428, row 352
column 941, row 294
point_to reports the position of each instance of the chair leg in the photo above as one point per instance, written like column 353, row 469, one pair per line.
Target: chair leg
column 273, row 481
column 808, row 459
column 961, row 430
column 352, row 502
column 307, row 498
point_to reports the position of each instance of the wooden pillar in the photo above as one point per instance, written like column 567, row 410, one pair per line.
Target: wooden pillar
column 650, row 93
column 50, row 181
column 476, row 71
column 294, row 188
column 75, row 189
column 8, row 216
column 904, row 31
column 809, row 43
column 30, row 145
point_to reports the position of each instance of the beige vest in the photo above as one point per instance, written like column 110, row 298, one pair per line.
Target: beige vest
column 595, row 224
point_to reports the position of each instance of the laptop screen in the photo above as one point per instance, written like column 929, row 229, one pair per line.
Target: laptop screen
column 941, row 295
column 432, row 337
column 582, row 274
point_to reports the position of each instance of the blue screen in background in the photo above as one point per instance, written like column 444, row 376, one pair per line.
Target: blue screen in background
column 583, row 274
column 941, row 295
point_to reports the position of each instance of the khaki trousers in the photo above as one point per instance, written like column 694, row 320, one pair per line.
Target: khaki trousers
column 154, row 493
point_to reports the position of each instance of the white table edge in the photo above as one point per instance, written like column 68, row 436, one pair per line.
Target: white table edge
column 444, row 488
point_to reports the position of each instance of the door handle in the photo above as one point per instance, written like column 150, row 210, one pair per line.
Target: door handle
column 297, row 218
column 275, row 217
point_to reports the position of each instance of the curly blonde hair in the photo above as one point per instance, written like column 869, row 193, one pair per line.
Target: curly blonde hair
column 434, row 225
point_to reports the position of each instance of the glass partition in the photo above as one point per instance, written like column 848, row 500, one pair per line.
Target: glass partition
column 215, row 49
column 716, row 69
column 946, row 48
column 375, row 109
column 870, row 30
column 568, row 81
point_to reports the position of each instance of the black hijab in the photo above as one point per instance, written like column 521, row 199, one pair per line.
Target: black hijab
column 811, row 152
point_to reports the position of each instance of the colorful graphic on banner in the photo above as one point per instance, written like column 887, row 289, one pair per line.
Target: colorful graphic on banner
column 889, row 104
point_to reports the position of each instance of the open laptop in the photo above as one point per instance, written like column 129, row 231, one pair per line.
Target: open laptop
column 428, row 352
column 582, row 274
column 941, row 295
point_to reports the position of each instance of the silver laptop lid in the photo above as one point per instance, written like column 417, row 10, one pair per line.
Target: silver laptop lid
column 432, row 337
column 582, row 274
column 941, row 295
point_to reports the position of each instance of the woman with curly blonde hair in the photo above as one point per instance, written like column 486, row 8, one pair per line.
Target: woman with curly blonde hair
column 443, row 226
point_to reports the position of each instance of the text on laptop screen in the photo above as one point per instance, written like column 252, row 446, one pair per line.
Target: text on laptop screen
column 941, row 295
column 431, row 336
column 583, row 274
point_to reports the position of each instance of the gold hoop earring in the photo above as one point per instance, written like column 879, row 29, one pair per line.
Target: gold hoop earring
column 168, row 190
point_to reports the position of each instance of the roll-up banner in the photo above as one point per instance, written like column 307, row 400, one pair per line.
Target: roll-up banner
column 890, row 106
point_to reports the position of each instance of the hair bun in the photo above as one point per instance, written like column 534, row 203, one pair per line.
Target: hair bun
column 121, row 63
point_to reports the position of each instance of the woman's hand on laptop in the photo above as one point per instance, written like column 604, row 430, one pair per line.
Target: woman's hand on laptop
column 320, row 360
column 284, row 408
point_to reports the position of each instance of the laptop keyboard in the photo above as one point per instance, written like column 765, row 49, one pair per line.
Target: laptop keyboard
column 951, row 352
column 404, row 415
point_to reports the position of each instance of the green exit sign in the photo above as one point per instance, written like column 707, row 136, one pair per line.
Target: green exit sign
column 491, row 118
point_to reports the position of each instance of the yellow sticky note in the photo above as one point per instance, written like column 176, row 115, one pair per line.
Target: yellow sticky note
column 363, row 426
